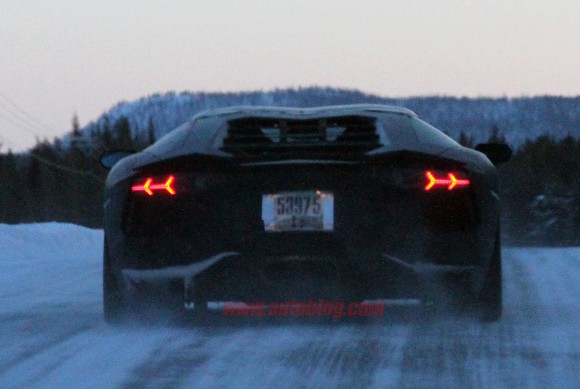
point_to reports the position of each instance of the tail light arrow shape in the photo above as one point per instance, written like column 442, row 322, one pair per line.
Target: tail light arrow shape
column 451, row 182
column 149, row 187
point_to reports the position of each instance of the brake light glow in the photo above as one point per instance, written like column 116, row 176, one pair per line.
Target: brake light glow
column 150, row 187
column 451, row 181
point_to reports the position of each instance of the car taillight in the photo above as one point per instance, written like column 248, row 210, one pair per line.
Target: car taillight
column 150, row 185
column 451, row 181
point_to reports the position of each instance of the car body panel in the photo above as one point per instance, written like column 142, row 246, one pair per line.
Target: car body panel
column 385, row 230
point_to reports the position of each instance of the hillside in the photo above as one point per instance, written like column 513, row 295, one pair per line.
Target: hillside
column 518, row 119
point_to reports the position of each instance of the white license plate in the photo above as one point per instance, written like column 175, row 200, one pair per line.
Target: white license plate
column 298, row 211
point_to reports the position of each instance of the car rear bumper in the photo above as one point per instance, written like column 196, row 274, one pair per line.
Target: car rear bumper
column 230, row 276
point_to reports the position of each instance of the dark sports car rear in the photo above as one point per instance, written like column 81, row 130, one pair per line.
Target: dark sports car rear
column 277, row 204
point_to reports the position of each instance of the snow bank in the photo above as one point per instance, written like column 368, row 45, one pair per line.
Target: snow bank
column 49, row 264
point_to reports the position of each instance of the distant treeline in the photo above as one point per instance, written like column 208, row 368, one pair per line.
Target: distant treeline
column 519, row 118
column 58, row 182
column 540, row 186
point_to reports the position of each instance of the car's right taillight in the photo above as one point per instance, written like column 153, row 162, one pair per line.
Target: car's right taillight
column 449, row 180
column 448, row 200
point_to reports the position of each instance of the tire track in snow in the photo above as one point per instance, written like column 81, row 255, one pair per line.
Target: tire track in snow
column 170, row 363
column 29, row 335
column 354, row 357
column 302, row 355
column 515, row 352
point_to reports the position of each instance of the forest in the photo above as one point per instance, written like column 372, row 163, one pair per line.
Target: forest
column 62, row 180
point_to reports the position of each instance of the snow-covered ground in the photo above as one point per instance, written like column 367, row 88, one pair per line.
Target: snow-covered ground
column 52, row 334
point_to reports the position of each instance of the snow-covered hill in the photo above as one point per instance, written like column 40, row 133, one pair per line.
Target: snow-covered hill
column 519, row 119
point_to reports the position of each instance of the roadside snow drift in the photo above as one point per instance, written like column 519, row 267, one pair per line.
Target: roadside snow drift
column 52, row 333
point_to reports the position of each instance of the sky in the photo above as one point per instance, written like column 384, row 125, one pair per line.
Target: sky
column 61, row 57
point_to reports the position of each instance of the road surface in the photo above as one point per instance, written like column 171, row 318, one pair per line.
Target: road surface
column 52, row 333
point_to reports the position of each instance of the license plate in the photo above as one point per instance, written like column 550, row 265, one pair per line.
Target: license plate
column 298, row 211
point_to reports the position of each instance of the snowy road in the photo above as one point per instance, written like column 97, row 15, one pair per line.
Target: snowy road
column 52, row 334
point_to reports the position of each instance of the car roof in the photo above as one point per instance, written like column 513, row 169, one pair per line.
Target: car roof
column 304, row 113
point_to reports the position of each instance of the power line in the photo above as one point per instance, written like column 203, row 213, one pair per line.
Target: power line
column 5, row 110
column 28, row 122
column 26, row 114
column 55, row 165
column 65, row 168
column 14, row 116
column 8, row 141
column 11, row 121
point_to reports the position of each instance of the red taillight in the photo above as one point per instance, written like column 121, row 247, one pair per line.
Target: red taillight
column 451, row 181
column 150, row 187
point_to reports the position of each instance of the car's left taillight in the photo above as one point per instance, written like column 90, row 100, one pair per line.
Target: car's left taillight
column 155, row 185
column 159, row 203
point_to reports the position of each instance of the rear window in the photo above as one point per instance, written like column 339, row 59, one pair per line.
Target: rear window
column 426, row 133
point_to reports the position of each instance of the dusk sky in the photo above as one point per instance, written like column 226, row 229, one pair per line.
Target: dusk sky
column 59, row 57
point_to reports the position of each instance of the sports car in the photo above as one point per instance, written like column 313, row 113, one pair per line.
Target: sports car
column 270, row 204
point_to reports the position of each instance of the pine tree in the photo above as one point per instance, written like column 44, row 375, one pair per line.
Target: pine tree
column 35, row 196
column 76, row 136
column 12, row 205
column 105, row 133
column 465, row 140
column 122, row 134
column 496, row 136
column 151, row 132
column 76, row 128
